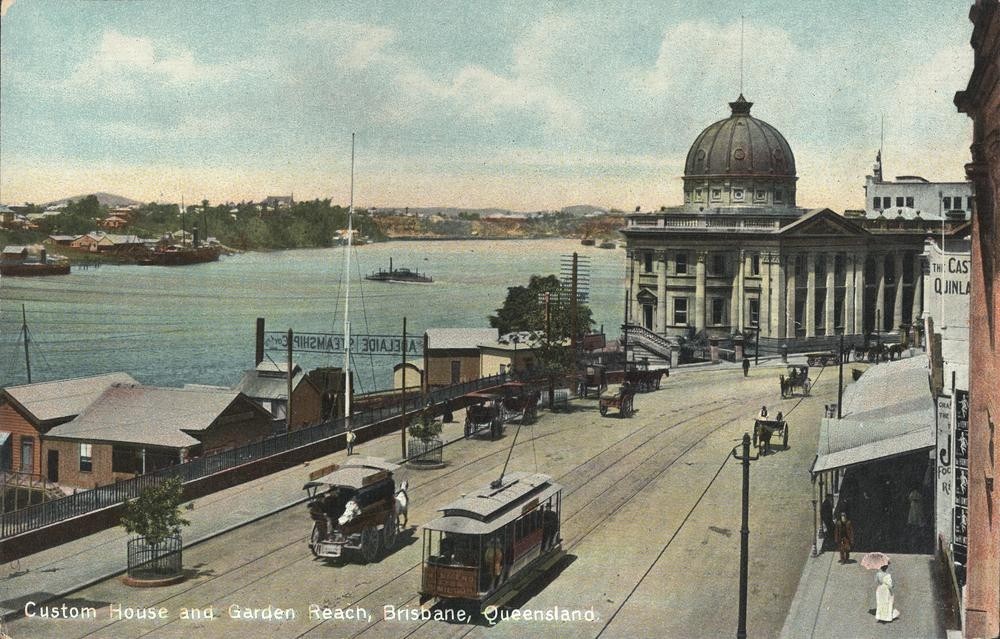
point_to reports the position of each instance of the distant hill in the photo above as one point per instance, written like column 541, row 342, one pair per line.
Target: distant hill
column 107, row 199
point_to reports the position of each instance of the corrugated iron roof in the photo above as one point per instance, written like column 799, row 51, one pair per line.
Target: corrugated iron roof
column 470, row 338
column 488, row 501
column 64, row 398
column 889, row 407
column 269, row 383
column 148, row 415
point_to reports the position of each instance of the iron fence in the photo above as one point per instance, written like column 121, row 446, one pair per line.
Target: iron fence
column 425, row 452
column 83, row 502
column 155, row 561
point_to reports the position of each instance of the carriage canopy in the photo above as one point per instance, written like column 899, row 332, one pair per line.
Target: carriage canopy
column 356, row 472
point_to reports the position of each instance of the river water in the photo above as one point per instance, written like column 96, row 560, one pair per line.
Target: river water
column 168, row 326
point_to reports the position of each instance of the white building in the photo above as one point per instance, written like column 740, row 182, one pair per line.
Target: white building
column 914, row 197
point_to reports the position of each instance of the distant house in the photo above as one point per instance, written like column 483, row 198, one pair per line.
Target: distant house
column 132, row 429
column 114, row 222
column 29, row 411
column 63, row 240
column 276, row 202
column 451, row 355
column 268, row 386
column 511, row 352
column 14, row 254
column 93, row 242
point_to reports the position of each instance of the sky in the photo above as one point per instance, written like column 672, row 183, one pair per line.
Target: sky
column 527, row 105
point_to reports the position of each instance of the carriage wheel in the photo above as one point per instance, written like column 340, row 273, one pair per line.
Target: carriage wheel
column 756, row 436
column 604, row 409
column 468, row 429
column 390, row 529
column 627, row 408
column 314, row 539
column 370, row 543
column 784, row 436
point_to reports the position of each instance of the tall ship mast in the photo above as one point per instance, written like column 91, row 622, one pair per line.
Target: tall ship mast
column 347, row 301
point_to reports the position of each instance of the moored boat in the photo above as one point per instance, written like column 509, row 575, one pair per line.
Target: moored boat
column 28, row 261
column 402, row 275
column 178, row 256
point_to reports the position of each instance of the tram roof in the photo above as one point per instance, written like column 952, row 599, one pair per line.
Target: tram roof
column 355, row 472
column 491, row 508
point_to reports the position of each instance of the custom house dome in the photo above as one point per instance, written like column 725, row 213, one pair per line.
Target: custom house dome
column 740, row 162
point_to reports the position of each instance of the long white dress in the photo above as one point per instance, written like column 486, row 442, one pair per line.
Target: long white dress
column 884, row 598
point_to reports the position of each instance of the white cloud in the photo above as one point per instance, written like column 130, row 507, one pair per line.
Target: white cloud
column 123, row 64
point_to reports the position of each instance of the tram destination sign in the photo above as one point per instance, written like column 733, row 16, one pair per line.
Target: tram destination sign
column 333, row 343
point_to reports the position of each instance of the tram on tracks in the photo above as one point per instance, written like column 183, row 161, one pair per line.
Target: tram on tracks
column 487, row 546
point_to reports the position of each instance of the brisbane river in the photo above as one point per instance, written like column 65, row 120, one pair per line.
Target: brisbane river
column 170, row 326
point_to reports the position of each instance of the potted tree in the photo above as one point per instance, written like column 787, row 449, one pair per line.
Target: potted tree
column 425, row 441
column 154, row 553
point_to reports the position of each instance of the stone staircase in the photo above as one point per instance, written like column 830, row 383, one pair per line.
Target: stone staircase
column 646, row 346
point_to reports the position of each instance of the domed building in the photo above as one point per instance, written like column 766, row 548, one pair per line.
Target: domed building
column 740, row 256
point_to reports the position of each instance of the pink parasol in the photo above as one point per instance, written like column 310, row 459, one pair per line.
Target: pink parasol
column 874, row 560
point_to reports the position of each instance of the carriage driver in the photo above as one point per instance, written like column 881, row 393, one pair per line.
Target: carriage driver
column 550, row 526
column 333, row 504
column 763, row 413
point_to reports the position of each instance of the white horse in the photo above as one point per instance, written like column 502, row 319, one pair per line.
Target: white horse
column 402, row 503
column 351, row 510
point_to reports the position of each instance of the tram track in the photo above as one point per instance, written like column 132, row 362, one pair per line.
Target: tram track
column 456, row 477
column 463, row 631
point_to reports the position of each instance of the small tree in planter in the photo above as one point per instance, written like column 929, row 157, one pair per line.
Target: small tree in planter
column 155, row 518
column 427, row 430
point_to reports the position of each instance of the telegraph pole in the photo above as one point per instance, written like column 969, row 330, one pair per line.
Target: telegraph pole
column 840, row 379
column 288, row 410
column 572, row 305
column 402, row 415
column 24, row 331
column 548, row 342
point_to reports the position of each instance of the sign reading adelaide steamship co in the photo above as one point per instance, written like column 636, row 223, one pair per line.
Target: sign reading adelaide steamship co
column 332, row 343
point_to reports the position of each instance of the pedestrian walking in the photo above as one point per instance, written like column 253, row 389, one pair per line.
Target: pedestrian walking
column 884, row 597
column 843, row 534
column 826, row 515
column 746, row 366
column 350, row 437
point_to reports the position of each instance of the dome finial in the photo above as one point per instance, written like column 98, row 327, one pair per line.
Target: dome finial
column 741, row 106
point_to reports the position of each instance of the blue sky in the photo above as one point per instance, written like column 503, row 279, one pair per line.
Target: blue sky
column 524, row 105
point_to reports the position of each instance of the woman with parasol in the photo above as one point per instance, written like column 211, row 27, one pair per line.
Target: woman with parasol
column 884, row 598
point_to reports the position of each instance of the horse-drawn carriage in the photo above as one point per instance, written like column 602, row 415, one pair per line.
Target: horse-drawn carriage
column 622, row 401
column 355, row 507
column 520, row 402
column 485, row 415
column 797, row 377
column 645, row 381
column 594, row 378
column 822, row 359
column 764, row 429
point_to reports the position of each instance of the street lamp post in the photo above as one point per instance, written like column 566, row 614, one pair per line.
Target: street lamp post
column 741, row 628
column 756, row 345
column 840, row 379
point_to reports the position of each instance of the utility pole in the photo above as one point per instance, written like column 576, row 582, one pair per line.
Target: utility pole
column 741, row 628
column 878, row 334
column 572, row 305
column 24, row 332
column 288, row 409
column 548, row 343
column 756, row 347
column 402, row 414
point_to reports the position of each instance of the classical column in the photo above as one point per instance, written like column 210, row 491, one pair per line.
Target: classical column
column 699, row 292
column 810, row 319
column 778, row 317
column 829, row 322
column 740, row 294
column 897, row 303
column 661, row 293
column 793, row 262
column 860, row 261
column 850, row 262
column 918, row 288
column 767, row 293
column 880, row 291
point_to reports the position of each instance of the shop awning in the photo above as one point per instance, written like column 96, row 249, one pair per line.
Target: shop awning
column 884, row 449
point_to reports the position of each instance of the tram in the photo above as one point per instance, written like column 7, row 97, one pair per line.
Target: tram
column 485, row 547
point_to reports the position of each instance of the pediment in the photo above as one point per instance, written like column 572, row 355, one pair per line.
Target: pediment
column 823, row 222
column 646, row 297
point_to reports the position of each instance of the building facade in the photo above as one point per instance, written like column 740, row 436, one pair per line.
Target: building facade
column 739, row 255
column 981, row 101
